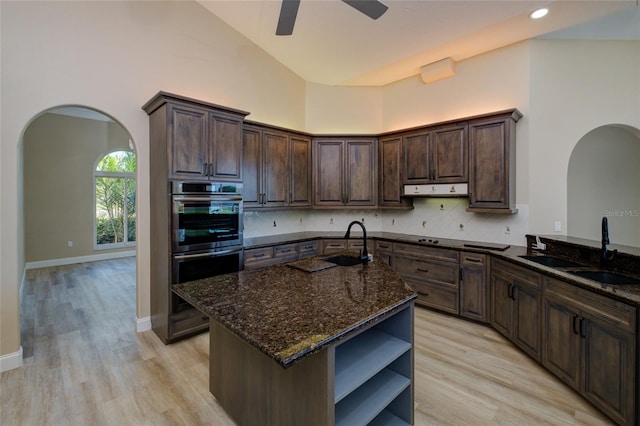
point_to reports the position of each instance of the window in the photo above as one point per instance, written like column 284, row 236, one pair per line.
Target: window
column 115, row 200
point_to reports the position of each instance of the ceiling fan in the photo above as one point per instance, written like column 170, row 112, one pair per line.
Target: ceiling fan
column 289, row 10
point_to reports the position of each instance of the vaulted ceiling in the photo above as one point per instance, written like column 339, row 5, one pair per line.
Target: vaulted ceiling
column 332, row 43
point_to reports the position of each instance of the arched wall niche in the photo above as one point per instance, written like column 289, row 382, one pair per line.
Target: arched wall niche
column 603, row 180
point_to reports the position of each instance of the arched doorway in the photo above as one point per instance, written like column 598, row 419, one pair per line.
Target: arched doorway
column 603, row 179
column 60, row 149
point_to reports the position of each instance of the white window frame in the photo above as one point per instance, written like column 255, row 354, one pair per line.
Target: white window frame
column 126, row 175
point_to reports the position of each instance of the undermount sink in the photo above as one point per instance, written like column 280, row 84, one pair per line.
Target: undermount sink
column 606, row 277
column 344, row 260
column 552, row 261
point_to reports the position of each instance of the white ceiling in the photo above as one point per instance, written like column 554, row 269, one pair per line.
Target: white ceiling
column 334, row 44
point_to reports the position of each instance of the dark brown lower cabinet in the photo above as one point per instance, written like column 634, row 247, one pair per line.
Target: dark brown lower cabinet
column 516, row 305
column 589, row 343
column 432, row 272
column 473, row 286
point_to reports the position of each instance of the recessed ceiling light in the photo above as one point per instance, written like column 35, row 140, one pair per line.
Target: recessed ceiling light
column 537, row 14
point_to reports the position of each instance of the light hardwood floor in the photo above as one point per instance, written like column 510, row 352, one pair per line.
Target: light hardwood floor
column 85, row 365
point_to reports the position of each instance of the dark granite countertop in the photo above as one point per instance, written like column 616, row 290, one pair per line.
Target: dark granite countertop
column 289, row 313
column 625, row 293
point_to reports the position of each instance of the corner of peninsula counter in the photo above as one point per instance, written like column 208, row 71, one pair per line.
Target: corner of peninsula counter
column 309, row 343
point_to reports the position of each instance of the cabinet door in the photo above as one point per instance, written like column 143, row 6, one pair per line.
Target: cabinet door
column 562, row 345
column 188, row 147
column 275, row 174
column 251, row 167
column 527, row 308
column 473, row 286
column 609, row 369
column 492, row 164
column 225, row 147
column 450, row 158
column 501, row 303
column 361, row 176
column 300, row 171
column 328, row 172
column 390, row 179
column 416, row 167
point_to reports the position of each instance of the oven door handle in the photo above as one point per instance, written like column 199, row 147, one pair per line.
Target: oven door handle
column 208, row 198
column 198, row 255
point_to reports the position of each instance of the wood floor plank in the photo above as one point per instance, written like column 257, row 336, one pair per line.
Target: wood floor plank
column 84, row 364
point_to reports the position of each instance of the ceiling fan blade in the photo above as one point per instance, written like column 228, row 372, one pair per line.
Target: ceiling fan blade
column 372, row 8
column 288, row 13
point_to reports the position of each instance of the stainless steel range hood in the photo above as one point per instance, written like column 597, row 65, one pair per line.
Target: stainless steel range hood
column 437, row 190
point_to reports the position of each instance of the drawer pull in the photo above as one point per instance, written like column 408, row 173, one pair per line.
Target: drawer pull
column 384, row 247
column 286, row 251
column 335, row 245
column 422, row 270
column 575, row 325
column 472, row 259
column 258, row 255
column 307, row 247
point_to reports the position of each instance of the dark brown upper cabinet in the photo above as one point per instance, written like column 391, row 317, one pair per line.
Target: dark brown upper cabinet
column 492, row 163
column 436, row 155
column 276, row 168
column 344, row 172
column 195, row 140
column 301, row 166
column 390, row 188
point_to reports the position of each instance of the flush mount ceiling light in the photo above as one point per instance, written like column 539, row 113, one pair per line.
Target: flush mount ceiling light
column 539, row 13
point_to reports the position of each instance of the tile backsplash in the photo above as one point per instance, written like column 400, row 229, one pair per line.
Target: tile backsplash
column 432, row 217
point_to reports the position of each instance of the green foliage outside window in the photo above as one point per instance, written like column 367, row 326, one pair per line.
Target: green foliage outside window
column 116, row 198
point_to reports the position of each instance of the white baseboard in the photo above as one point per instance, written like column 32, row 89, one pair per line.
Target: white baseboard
column 11, row 361
column 143, row 324
column 79, row 259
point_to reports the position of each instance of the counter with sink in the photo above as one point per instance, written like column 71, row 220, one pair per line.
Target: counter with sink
column 312, row 342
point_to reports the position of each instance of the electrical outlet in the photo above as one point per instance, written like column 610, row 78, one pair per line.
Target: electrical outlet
column 331, row 221
column 557, row 226
column 70, row 243
column 362, row 221
column 461, row 227
column 507, row 229
column 274, row 224
column 424, row 223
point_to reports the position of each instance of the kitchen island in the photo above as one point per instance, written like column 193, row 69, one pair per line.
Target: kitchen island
column 309, row 343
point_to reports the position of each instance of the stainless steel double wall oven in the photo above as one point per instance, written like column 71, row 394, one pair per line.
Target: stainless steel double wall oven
column 206, row 233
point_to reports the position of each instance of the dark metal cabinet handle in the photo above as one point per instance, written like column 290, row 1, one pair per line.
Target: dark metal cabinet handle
column 258, row 255
column 205, row 169
column 472, row 259
column 583, row 332
column 575, row 324
column 422, row 270
column 510, row 292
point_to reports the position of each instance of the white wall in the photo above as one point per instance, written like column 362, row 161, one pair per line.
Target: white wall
column 576, row 86
column 114, row 56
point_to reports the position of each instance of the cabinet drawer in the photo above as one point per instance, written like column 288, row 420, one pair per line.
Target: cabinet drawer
column 383, row 247
column 429, row 270
column 472, row 259
column 616, row 313
column 332, row 246
column 444, row 255
column 435, row 296
column 531, row 277
column 187, row 322
column 255, row 258
column 284, row 252
column 309, row 248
